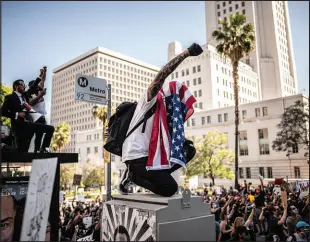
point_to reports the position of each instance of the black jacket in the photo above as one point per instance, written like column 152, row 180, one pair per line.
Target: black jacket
column 13, row 105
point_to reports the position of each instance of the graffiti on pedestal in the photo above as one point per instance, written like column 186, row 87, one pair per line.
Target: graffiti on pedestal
column 120, row 223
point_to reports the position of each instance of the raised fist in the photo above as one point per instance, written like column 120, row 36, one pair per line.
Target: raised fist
column 195, row 50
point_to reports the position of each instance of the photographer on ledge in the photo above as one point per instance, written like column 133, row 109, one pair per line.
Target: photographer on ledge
column 37, row 102
column 22, row 125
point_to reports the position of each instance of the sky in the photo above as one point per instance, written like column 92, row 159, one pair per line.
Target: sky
column 51, row 33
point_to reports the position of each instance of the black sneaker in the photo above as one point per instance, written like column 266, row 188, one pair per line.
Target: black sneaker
column 125, row 183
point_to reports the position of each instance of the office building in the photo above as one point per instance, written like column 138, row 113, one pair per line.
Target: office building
column 128, row 77
column 273, row 58
column 257, row 129
column 209, row 78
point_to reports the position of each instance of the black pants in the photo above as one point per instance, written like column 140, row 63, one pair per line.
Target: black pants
column 159, row 182
column 25, row 132
column 38, row 139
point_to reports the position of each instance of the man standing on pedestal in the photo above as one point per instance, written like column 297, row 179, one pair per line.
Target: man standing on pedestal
column 138, row 151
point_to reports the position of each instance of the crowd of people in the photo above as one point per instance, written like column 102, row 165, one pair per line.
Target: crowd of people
column 248, row 213
column 80, row 220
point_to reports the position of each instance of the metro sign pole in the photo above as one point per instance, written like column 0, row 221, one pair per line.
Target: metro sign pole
column 95, row 90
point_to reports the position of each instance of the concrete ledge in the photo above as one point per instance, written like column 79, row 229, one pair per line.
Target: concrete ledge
column 18, row 157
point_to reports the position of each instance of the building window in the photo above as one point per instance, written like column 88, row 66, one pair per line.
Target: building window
column 88, row 150
column 195, row 93
column 199, row 93
column 193, row 122
column 112, row 157
column 242, row 4
column 96, row 150
column 225, row 117
column 269, row 172
column 297, row 172
column 241, row 173
column 295, row 148
column 248, row 173
column 218, row 92
column 265, row 111
column 257, row 112
column 194, row 69
column 183, row 73
column 230, row 9
column 219, row 118
column 199, row 80
column 187, row 71
column 203, row 120
column 208, row 119
column 224, row 11
column 172, row 75
column 224, row 4
column 261, row 171
column 243, row 12
column 187, row 83
column 198, row 68
column 243, row 114
column 263, row 142
column 243, row 143
column 187, row 123
column 176, row 75
column 237, row 6
column 194, row 81
column 218, row 6
column 200, row 105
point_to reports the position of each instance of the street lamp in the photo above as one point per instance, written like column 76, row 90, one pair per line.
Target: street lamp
column 288, row 155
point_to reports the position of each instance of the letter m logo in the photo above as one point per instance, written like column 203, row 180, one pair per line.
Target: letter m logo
column 83, row 82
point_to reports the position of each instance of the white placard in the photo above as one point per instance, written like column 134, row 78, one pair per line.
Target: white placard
column 90, row 89
column 38, row 199
column 277, row 190
column 303, row 187
column 80, row 198
column 87, row 221
column 5, row 131
column 61, row 197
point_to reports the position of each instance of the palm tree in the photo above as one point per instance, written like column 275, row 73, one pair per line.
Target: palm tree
column 102, row 114
column 235, row 40
column 61, row 137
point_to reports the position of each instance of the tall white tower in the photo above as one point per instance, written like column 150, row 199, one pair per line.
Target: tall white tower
column 273, row 58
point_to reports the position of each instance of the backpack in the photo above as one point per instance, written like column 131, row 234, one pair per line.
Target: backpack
column 119, row 124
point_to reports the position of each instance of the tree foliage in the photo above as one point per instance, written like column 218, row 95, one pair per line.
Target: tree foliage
column 212, row 158
column 102, row 114
column 294, row 129
column 61, row 136
column 5, row 90
column 235, row 40
column 66, row 174
column 95, row 176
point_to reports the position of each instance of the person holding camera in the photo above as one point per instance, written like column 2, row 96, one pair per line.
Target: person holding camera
column 275, row 220
column 37, row 102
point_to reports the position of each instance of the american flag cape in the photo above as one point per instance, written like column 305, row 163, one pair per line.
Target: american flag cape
column 174, row 105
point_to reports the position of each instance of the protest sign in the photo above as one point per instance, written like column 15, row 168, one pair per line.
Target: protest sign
column 303, row 187
column 38, row 200
column 87, row 221
column 80, row 198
